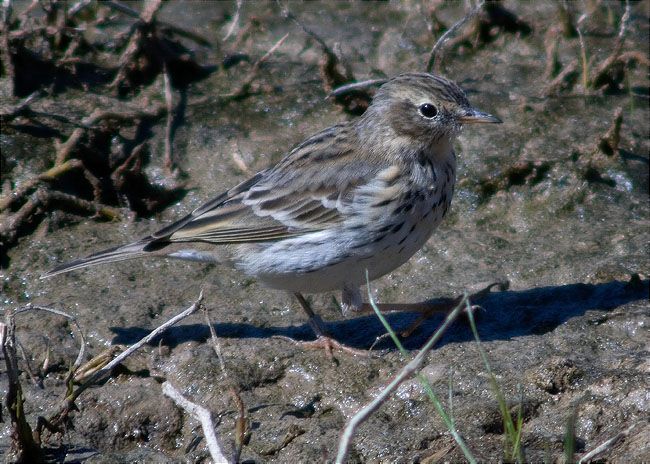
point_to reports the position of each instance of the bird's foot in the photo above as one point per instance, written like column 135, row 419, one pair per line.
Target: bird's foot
column 323, row 341
column 327, row 343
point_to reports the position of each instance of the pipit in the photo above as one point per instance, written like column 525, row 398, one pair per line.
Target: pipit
column 359, row 197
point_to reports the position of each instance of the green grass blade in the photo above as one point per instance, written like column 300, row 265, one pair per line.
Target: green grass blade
column 448, row 421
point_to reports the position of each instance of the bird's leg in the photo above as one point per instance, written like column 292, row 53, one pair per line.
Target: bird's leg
column 315, row 321
column 322, row 339
column 429, row 308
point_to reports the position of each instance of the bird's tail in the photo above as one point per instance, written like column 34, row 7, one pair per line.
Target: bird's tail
column 120, row 253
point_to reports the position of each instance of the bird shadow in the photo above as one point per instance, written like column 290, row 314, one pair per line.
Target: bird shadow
column 504, row 315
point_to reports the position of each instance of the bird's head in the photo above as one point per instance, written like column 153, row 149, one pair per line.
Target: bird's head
column 424, row 108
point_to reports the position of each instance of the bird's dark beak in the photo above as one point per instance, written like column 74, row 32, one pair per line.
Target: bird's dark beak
column 472, row 116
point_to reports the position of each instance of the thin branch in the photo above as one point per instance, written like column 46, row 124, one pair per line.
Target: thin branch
column 54, row 423
column 240, row 163
column 30, row 373
column 289, row 15
column 131, row 349
column 5, row 49
column 625, row 21
column 122, row 8
column 169, row 163
column 77, row 7
column 82, row 340
column 447, row 35
column 127, row 10
column 605, row 72
column 234, row 24
column 58, row 312
column 86, row 370
column 216, row 345
column 40, row 201
column 606, row 444
column 64, row 149
column 203, row 416
column 47, row 176
column 356, row 86
column 23, row 446
column 244, row 89
column 583, row 52
column 406, row 372
column 241, row 423
column 22, row 107
column 153, row 334
column 272, row 50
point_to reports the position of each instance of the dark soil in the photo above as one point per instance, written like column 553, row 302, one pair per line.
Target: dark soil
column 555, row 200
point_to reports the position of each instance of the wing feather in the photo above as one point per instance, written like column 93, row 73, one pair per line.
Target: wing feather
column 298, row 196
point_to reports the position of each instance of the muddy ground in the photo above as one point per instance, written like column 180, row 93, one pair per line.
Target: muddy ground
column 542, row 201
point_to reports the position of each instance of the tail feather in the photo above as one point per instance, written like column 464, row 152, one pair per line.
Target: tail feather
column 120, row 253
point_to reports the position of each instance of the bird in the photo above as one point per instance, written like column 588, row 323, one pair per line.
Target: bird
column 349, row 204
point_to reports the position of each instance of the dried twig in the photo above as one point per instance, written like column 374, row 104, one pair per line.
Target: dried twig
column 583, row 52
column 244, row 89
column 42, row 422
column 139, row 39
column 610, row 72
column 356, row 86
column 40, row 201
column 365, row 412
column 331, row 63
column 77, row 7
column 153, row 334
column 606, row 72
column 203, row 416
column 610, row 141
column 272, row 50
column 31, row 209
column 234, row 23
column 447, row 35
column 57, row 38
column 99, row 115
column 73, row 321
column 625, row 21
column 52, row 175
column 22, row 107
column 55, row 421
column 241, row 423
column 551, row 46
column 216, row 345
column 127, row 10
column 66, row 202
column 240, row 163
column 7, row 9
column 566, row 79
column 169, row 162
column 23, row 446
column 28, row 366
column 587, row 457
column 122, row 8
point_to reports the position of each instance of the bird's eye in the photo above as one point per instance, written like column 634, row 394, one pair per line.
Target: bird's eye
column 428, row 110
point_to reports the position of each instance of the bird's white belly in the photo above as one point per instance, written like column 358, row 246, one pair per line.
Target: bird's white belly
column 329, row 260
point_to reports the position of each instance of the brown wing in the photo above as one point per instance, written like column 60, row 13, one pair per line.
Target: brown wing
column 306, row 192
